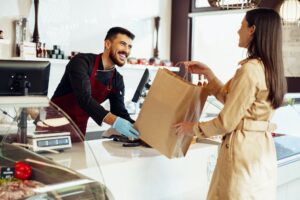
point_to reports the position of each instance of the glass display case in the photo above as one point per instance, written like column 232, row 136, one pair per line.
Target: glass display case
column 32, row 130
column 287, row 134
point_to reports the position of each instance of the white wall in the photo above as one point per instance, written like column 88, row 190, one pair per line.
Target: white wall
column 78, row 25
column 215, row 41
column 10, row 11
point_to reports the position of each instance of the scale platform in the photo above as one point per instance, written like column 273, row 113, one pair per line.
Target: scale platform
column 41, row 141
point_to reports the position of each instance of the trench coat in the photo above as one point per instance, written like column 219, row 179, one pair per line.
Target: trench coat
column 246, row 166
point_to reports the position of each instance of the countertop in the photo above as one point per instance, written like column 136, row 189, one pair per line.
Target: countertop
column 141, row 172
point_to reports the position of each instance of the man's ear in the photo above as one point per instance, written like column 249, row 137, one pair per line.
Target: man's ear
column 107, row 44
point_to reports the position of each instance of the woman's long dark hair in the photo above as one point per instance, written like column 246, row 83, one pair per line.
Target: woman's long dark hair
column 267, row 46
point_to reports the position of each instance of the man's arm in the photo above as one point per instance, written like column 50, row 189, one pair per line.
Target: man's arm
column 116, row 99
column 119, row 117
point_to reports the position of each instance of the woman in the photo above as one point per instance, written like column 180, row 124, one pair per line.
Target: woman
column 246, row 166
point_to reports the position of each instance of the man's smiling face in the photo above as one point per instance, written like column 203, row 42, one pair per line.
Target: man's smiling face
column 120, row 49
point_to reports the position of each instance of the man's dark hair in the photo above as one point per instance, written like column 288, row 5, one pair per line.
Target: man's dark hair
column 114, row 31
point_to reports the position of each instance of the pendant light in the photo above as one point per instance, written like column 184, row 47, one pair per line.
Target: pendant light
column 234, row 4
column 290, row 11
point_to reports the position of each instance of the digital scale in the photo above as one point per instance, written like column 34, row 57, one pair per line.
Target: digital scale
column 41, row 141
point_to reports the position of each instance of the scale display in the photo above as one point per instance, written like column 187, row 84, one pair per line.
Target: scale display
column 49, row 141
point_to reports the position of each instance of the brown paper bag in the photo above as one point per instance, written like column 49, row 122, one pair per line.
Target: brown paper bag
column 170, row 100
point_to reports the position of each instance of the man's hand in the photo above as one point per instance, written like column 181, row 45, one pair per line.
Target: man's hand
column 110, row 118
column 124, row 127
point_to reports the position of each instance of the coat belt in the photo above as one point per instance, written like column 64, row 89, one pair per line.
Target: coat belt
column 255, row 125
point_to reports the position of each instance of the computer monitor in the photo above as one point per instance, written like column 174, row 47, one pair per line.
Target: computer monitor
column 143, row 84
column 24, row 77
column 293, row 84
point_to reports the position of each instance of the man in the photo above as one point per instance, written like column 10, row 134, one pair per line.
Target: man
column 90, row 79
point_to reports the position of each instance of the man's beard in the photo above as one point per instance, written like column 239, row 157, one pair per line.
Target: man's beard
column 115, row 60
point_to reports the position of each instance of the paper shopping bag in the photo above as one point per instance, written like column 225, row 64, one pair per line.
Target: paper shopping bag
column 170, row 100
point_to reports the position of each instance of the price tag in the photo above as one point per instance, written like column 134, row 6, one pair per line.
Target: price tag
column 7, row 172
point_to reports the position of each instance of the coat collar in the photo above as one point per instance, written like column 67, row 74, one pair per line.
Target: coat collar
column 249, row 60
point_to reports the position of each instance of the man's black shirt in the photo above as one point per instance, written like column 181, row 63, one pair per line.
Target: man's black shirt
column 76, row 79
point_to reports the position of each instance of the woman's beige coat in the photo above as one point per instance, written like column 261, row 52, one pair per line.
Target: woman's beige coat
column 246, row 165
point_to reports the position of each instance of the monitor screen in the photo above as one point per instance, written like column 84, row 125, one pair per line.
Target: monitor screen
column 142, row 84
column 24, row 77
column 293, row 84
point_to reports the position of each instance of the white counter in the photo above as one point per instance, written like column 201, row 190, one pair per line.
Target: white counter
column 143, row 173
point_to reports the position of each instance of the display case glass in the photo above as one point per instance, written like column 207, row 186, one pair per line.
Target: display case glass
column 287, row 134
column 32, row 130
column 287, row 118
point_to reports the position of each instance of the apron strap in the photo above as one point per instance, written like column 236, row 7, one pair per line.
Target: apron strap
column 94, row 72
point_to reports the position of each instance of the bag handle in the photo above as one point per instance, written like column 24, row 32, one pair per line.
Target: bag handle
column 182, row 71
column 186, row 75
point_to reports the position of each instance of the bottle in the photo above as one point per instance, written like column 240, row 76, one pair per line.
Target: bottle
column 45, row 55
column 21, row 33
column 39, row 52
column 1, row 34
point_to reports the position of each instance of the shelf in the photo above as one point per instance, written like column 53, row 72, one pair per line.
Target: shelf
column 24, row 101
column 52, row 61
column 65, row 62
column 133, row 66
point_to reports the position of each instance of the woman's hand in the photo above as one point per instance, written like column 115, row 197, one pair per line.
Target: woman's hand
column 185, row 128
column 196, row 67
